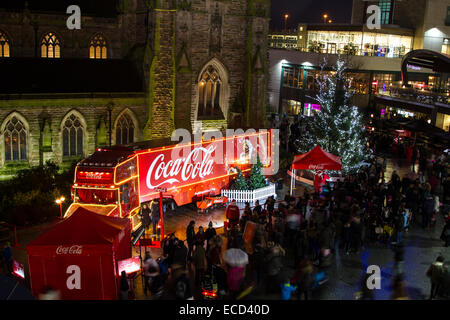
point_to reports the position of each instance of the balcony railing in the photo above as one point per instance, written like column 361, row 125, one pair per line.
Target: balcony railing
column 350, row 51
column 421, row 96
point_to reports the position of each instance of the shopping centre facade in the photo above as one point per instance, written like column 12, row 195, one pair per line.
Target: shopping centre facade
column 374, row 58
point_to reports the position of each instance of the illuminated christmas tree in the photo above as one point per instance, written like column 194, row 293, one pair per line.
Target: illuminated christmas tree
column 338, row 127
column 240, row 182
column 256, row 178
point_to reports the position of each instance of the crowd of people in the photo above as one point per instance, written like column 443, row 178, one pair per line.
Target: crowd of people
column 363, row 210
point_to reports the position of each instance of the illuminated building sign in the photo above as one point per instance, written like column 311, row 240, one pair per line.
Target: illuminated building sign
column 409, row 66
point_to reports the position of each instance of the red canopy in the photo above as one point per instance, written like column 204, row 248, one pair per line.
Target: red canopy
column 317, row 159
column 79, row 256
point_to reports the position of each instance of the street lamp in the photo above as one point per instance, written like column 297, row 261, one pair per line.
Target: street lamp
column 286, row 16
column 330, row 21
column 60, row 201
column 325, row 16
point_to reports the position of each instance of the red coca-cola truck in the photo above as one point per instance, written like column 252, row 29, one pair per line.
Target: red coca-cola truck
column 115, row 181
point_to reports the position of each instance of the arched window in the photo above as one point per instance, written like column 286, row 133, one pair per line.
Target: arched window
column 72, row 137
column 209, row 94
column 50, row 46
column 4, row 45
column 15, row 136
column 97, row 47
column 124, row 130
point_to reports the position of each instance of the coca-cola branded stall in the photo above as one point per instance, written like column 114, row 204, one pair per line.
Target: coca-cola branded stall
column 79, row 256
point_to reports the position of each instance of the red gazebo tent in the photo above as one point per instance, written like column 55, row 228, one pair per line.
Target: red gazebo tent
column 79, row 256
column 316, row 159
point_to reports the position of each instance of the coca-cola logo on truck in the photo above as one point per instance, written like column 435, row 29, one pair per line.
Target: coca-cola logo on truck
column 75, row 249
column 186, row 169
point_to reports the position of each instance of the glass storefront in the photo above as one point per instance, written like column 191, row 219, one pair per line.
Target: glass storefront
column 292, row 77
column 382, row 82
column 387, row 112
column 359, row 82
column 359, row 43
column 293, row 107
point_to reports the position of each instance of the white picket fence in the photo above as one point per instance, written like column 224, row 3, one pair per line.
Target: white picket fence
column 250, row 195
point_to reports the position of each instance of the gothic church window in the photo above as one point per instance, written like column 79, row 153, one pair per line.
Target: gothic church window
column 209, row 94
column 4, row 45
column 72, row 136
column 15, row 137
column 50, row 46
column 97, row 47
column 124, row 130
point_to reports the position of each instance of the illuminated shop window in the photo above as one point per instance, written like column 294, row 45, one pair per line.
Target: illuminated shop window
column 4, row 45
column 358, row 82
column 209, row 93
column 124, row 130
column 15, row 137
column 382, row 82
column 72, row 137
column 292, row 77
column 97, row 47
column 50, row 46
column 311, row 109
column 349, row 42
column 293, row 107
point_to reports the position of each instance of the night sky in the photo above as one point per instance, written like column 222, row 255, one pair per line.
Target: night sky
column 309, row 11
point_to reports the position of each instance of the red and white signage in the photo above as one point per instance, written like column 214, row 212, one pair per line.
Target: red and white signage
column 130, row 265
column 75, row 249
column 163, row 170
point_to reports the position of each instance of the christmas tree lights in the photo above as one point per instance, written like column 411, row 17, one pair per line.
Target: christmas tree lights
column 338, row 127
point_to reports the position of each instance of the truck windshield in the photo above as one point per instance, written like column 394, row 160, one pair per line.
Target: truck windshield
column 90, row 196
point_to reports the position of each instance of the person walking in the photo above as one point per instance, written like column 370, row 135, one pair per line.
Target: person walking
column 156, row 216
column 274, row 263
column 145, row 216
column 445, row 235
column 190, row 238
column 428, row 208
column 209, row 234
column 305, row 279
column 8, row 258
column 415, row 153
column 149, row 263
column 199, row 262
column 287, row 289
column 124, row 286
column 436, row 273
column 347, row 237
column 156, row 283
column 399, row 292
column 180, row 255
column 181, row 284
column 200, row 236
column 232, row 214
